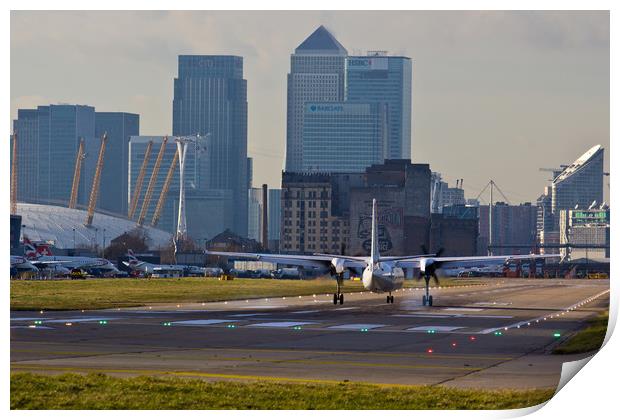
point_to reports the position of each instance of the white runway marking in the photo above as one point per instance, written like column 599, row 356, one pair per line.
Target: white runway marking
column 306, row 312
column 264, row 307
column 282, row 324
column 24, row 319
column 347, row 308
column 88, row 319
column 463, row 309
column 434, row 328
column 203, row 321
column 242, row 315
column 424, row 316
column 356, row 326
column 34, row 327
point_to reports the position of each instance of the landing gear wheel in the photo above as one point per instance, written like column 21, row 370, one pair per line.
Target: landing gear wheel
column 341, row 299
column 430, row 300
column 388, row 299
column 423, row 300
column 335, row 299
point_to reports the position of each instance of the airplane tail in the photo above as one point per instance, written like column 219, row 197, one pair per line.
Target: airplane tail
column 374, row 250
column 30, row 252
column 44, row 249
column 132, row 258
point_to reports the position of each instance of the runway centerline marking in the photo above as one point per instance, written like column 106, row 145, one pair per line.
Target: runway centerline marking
column 434, row 328
column 200, row 322
column 356, row 326
column 281, row 324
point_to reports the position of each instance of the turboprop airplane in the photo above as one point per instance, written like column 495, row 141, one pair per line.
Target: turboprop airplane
column 380, row 274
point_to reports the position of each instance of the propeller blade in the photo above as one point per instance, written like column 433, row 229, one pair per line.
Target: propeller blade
column 436, row 279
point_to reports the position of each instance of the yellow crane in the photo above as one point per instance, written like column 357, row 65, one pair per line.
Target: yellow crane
column 149, row 189
column 94, row 192
column 14, row 175
column 133, row 205
column 164, row 190
column 76, row 175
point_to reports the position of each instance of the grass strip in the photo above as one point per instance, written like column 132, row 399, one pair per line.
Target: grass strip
column 117, row 293
column 589, row 339
column 99, row 391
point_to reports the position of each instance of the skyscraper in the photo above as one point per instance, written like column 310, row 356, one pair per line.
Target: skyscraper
column 317, row 74
column 343, row 136
column 119, row 126
column 48, row 139
column 382, row 78
column 210, row 100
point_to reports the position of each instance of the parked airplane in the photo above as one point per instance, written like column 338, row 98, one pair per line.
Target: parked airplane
column 22, row 263
column 147, row 268
column 42, row 255
column 380, row 274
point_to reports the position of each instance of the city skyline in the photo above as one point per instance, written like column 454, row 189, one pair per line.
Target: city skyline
column 539, row 80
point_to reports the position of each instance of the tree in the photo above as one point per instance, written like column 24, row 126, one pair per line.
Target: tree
column 136, row 240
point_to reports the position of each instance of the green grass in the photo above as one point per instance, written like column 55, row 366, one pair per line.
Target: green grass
column 587, row 340
column 98, row 391
column 115, row 293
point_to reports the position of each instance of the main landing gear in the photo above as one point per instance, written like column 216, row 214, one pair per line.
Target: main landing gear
column 339, row 297
column 427, row 299
column 390, row 298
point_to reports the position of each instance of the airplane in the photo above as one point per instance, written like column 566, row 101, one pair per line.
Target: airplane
column 380, row 274
column 148, row 268
column 42, row 255
column 22, row 263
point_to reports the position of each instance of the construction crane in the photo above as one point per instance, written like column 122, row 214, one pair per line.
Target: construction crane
column 164, row 190
column 14, row 175
column 149, row 189
column 76, row 175
column 94, row 192
column 138, row 187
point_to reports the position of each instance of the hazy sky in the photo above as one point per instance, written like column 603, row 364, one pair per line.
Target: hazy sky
column 495, row 94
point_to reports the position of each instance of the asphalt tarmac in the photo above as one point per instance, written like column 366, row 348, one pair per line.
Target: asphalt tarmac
column 494, row 335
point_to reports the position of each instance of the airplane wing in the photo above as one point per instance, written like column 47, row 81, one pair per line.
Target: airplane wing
column 314, row 261
column 447, row 262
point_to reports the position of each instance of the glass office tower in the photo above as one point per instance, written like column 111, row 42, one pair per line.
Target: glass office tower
column 343, row 136
column 317, row 74
column 210, row 100
column 382, row 78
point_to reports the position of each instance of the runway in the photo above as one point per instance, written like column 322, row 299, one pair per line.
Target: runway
column 493, row 335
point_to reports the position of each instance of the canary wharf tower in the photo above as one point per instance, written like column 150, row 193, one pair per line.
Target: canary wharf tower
column 317, row 75
column 210, row 100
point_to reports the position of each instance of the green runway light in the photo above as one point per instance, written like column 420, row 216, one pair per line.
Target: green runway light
column 364, row 330
column 498, row 333
column 38, row 322
column 431, row 331
column 103, row 322
column 297, row 327
column 167, row 324
column 557, row 335
column 230, row 326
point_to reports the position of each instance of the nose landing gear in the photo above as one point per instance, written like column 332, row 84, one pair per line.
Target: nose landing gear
column 390, row 298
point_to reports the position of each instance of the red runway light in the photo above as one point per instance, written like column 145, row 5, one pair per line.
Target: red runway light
column 472, row 338
column 453, row 344
column 429, row 350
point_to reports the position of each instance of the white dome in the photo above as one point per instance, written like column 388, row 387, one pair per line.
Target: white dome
column 56, row 224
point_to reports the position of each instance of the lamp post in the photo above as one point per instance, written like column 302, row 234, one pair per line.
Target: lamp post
column 73, row 239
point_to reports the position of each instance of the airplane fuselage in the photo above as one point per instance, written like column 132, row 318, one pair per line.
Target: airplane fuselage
column 382, row 277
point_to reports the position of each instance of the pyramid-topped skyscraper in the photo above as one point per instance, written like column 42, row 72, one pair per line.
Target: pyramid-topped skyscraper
column 317, row 74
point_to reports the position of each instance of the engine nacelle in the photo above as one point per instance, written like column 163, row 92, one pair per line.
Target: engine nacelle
column 427, row 265
column 338, row 265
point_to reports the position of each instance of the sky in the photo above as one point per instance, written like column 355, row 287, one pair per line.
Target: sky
column 496, row 94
